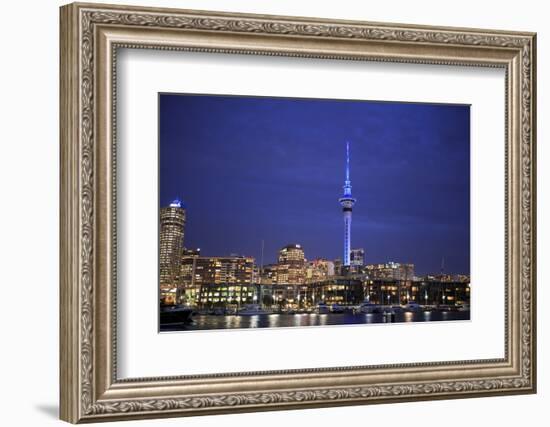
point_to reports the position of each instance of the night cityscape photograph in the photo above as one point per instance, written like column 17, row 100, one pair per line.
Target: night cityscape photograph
column 293, row 212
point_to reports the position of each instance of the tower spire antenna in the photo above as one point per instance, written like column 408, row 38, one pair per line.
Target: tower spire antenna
column 347, row 161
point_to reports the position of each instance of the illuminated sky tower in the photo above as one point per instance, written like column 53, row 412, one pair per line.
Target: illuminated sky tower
column 347, row 202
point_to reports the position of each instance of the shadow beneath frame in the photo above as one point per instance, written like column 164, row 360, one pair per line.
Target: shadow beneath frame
column 50, row 410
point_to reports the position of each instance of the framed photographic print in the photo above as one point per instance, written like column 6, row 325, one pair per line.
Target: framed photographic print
column 257, row 175
column 264, row 212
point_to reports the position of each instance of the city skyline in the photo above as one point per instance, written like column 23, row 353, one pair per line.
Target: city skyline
column 168, row 249
column 285, row 193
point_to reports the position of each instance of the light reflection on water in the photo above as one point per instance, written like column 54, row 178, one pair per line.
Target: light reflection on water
column 209, row 322
column 272, row 320
column 254, row 321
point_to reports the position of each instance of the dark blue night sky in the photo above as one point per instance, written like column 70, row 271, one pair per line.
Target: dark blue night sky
column 252, row 168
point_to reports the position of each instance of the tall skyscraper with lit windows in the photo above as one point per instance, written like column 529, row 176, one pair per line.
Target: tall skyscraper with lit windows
column 291, row 265
column 347, row 201
column 171, row 234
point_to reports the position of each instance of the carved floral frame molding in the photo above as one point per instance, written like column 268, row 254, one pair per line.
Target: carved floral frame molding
column 90, row 37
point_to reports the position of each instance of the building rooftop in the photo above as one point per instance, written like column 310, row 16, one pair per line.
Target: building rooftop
column 176, row 203
column 292, row 246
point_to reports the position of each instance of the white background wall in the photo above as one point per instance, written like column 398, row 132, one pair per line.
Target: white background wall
column 29, row 170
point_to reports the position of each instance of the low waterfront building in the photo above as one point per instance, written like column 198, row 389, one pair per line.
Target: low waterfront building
column 283, row 296
column 384, row 291
column 339, row 290
column 344, row 291
column 426, row 292
column 226, row 295
column 435, row 292
column 169, row 295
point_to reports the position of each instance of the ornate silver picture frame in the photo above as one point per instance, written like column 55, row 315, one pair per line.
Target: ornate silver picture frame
column 91, row 35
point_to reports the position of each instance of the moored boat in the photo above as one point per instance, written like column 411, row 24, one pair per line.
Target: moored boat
column 175, row 315
column 251, row 310
column 370, row 308
column 463, row 307
column 412, row 306
column 322, row 308
column 335, row 308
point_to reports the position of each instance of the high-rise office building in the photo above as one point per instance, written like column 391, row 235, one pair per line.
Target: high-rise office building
column 198, row 271
column 391, row 270
column 291, row 265
column 233, row 270
column 347, row 201
column 171, row 235
column 337, row 266
column 357, row 258
column 268, row 275
column 318, row 270
column 188, row 278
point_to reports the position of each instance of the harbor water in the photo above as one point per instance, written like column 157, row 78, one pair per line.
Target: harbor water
column 202, row 322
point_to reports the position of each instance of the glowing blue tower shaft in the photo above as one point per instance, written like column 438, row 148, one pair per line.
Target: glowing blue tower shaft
column 347, row 201
column 347, row 238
